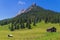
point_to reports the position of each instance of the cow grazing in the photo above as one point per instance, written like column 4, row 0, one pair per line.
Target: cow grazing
column 53, row 29
column 10, row 35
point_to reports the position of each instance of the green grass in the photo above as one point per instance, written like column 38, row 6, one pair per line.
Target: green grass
column 36, row 33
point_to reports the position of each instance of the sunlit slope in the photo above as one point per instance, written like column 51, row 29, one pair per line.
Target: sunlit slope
column 37, row 32
column 5, row 27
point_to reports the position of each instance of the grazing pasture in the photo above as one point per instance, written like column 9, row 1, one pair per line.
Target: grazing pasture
column 36, row 33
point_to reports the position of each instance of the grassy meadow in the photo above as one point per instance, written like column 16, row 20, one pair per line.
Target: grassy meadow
column 37, row 32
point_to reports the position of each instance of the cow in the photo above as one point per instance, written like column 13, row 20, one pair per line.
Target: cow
column 9, row 35
column 53, row 29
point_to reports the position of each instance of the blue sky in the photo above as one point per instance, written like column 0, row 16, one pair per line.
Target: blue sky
column 9, row 8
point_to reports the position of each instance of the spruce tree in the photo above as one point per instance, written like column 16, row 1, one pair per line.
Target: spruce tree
column 28, row 25
column 12, row 27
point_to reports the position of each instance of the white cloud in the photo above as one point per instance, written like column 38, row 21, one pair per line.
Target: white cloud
column 21, row 3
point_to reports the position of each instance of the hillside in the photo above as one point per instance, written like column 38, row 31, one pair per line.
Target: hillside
column 36, row 33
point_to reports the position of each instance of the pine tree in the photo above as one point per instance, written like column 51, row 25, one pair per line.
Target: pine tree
column 12, row 27
column 17, row 26
column 34, row 23
column 22, row 26
column 28, row 25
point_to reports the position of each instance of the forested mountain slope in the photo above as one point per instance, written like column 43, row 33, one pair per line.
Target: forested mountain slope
column 33, row 14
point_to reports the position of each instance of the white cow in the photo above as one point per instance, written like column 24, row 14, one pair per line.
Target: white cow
column 10, row 35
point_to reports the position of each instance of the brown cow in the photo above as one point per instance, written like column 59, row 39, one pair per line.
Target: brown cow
column 53, row 29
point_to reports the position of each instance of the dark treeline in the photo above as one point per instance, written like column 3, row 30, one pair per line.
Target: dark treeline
column 35, row 15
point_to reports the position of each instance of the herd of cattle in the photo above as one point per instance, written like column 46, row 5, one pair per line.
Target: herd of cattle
column 53, row 29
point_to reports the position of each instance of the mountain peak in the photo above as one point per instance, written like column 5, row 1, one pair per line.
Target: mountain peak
column 31, row 7
column 33, row 4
